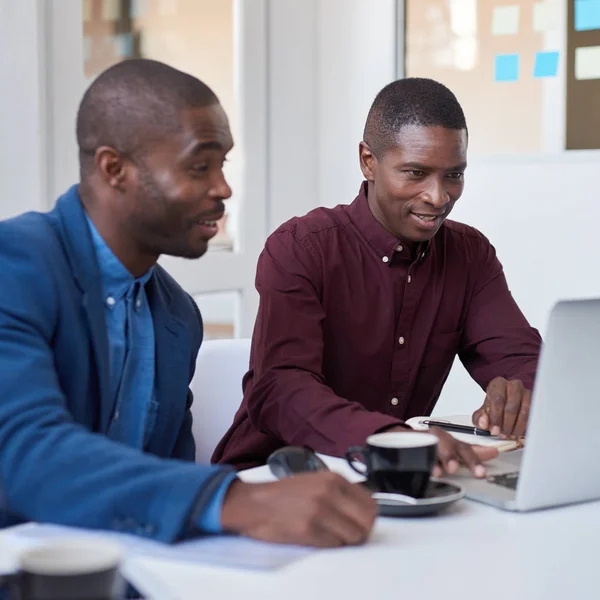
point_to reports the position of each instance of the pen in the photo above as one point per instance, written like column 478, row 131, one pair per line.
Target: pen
column 456, row 427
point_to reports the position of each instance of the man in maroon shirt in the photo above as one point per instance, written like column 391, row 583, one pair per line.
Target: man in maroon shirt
column 364, row 307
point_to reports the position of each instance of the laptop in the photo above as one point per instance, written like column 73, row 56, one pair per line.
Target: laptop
column 560, row 463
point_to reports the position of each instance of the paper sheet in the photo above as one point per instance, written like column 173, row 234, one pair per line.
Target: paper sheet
column 545, row 16
column 139, row 8
column 587, row 62
column 505, row 20
column 225, row 551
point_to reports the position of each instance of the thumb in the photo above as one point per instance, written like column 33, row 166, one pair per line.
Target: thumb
column 481, row 418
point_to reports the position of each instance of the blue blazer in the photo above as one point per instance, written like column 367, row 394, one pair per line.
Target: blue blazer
column 56, row 465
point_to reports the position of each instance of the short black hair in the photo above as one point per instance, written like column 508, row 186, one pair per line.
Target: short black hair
column 410, row 101
column 134, row 103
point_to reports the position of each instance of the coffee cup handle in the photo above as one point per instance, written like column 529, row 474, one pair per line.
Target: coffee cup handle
column 355, row 452
column 10, row 583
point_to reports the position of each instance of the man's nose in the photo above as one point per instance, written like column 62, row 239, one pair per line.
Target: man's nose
column 436, row 194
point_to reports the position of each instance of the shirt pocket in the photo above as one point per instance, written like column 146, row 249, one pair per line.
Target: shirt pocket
column 441, row 349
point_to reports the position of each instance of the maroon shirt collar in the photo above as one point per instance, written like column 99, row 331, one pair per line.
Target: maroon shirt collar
column 386, row 244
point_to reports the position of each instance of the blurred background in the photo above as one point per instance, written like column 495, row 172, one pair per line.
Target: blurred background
column 296, row 78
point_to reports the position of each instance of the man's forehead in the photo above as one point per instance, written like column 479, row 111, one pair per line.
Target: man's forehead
column 206, row 124
column 428, row 141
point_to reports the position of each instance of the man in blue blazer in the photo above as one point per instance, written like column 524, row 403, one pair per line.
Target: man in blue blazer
column 98, row 343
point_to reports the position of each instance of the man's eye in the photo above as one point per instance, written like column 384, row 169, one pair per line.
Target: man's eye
column 200, row 168
column 416, row 173
column 456, row 176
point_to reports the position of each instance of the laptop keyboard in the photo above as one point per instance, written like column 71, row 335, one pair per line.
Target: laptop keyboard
column 508, row 480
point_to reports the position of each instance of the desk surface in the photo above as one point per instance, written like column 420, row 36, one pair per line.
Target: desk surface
column 470, row 551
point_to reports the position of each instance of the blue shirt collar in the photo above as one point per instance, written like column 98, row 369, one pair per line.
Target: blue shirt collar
column 117, row 281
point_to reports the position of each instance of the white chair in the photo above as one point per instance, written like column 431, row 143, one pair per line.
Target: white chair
column 217, row 389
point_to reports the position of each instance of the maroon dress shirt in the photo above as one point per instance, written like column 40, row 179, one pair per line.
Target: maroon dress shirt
column 357, row 331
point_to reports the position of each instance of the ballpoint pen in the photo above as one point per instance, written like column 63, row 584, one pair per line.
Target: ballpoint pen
column 447, row 425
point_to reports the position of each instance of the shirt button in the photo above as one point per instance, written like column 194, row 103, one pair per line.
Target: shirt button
column 138, row 303
column 423, row 255
column 110, row 301
column 401, row 341
column 409, row 279
column 399, row 248
column 394, row 401
column 117, row 414
column 385, row 259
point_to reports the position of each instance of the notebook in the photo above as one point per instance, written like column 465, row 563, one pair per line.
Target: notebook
column 501, row 445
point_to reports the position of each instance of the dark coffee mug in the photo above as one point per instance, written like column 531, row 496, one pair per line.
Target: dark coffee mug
column 69, row 569
column 396, row 462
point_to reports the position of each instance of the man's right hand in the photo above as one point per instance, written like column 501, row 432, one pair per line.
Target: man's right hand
column 313, row 509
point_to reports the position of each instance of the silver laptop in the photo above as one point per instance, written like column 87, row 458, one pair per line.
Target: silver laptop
column 560, row 463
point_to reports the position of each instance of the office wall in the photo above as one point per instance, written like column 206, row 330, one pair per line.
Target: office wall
column 541, row 214
column 22, row 115
column 327, row 61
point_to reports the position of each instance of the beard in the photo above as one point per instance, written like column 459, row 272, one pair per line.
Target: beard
column 157, row 221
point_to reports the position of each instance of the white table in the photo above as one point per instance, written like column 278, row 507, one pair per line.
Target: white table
column 471, row 551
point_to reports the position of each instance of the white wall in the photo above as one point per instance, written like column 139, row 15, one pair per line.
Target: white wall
column 22, row 108
column 327, row 61
column 542, row 217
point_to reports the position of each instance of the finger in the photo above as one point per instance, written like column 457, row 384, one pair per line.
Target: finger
column 521, row 425
column 447, row 455
column 512, row 406
column 495, row 399
column 470, row 459
column 437, row 470
column 481, row 418
column 321, row 536
column 353, row 500
column 361, row 501
column 333, row 519
column 355, row 503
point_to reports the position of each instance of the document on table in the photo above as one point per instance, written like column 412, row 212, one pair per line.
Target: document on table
column 224, row 551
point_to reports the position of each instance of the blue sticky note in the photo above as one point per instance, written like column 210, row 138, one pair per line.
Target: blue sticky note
column 587, row 15
column 546, row 64
column 123, row 45
column 506, row 67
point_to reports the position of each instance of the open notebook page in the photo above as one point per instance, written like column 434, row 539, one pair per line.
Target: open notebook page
column 501, row 445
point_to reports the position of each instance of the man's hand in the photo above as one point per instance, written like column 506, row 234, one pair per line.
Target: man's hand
column 505, row 410
column 452, row 453
column 315, row 509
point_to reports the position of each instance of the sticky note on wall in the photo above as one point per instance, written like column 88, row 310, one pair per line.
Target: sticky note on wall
column 546, row 16
column 123, row 45
column 506, row 67
column 546, row 64
column 505, row 20
column 587, row 62
column 587, row 15
column 139, row 8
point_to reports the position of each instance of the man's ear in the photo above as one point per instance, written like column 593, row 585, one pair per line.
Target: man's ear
column 368, row 162
column 111, row 166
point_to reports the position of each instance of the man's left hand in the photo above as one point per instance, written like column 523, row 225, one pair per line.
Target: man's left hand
column 505, row 410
